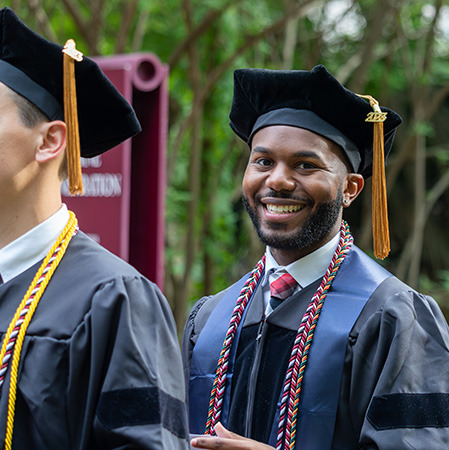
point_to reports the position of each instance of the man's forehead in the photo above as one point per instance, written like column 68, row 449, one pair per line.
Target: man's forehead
column 299, row 136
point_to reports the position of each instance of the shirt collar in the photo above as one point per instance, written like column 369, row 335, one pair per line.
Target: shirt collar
column 33, row 246
column 307, row 269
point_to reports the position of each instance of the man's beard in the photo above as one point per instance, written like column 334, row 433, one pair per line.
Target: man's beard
column 313, row 230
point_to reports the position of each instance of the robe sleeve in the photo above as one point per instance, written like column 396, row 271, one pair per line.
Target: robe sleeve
column 189, row 338
column 133, row 370
column 395, row 389
column 194, row 325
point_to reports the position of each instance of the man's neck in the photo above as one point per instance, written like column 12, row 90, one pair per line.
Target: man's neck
column 286, row 257
column 312, row 266
column 17, row 218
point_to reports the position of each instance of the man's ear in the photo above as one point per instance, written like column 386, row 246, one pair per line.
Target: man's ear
column 353, row 185
column 53, row 140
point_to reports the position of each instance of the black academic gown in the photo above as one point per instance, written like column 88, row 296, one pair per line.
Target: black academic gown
column 398, row 345
column 100, row 365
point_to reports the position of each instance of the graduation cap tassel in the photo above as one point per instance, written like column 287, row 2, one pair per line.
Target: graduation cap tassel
column 71, row 118
column 381, row 236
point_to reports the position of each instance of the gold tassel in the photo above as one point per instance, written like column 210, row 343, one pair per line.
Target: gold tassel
column 381, row 235
column 71, row 119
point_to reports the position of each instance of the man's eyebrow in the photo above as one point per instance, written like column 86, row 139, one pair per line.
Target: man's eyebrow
column 306, row 154
column 260, row 150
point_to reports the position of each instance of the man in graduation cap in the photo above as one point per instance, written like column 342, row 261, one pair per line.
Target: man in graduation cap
column 90, row 357
column 318, row 347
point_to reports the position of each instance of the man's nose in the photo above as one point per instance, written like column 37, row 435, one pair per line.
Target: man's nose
column 281, row 178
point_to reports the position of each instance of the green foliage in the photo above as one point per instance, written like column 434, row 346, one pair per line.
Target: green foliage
column 397, row 60
column 423, row 128
column 442, row 156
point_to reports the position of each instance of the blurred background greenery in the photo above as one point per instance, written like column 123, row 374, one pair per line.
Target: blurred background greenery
column 395, row 50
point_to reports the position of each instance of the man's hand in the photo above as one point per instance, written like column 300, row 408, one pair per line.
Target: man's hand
column 226, row 439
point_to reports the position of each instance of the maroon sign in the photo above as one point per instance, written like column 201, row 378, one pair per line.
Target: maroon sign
column 123, row 206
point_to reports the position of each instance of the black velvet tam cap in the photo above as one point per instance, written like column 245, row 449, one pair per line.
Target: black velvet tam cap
column 313, row 100
column 33, row 67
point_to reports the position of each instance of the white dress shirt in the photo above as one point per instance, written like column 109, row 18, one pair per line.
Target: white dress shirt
column 304, row 270
column 33, row 246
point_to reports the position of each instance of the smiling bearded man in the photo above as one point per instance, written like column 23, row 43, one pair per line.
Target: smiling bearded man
column 317, row 347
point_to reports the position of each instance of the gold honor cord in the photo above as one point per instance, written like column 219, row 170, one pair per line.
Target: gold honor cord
column 52, row 261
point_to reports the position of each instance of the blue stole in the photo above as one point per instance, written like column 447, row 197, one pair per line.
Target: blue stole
column 356, row 280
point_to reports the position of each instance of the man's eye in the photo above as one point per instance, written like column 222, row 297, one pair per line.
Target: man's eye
column 264, row 162
column 305, row 165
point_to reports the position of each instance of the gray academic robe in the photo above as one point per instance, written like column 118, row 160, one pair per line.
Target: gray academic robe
column 100, row 365
column 394, row 390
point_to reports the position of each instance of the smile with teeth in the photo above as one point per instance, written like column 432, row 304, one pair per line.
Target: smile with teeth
column 283, row 209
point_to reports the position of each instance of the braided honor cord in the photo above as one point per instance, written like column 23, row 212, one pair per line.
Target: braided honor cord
column 14, row 336
column 300, row 350
column 217, row 393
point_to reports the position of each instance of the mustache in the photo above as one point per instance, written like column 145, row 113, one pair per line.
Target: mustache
column 283, row 195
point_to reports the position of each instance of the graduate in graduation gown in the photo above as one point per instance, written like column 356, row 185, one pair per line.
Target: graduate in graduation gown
column 371, row 361
column 90, row 357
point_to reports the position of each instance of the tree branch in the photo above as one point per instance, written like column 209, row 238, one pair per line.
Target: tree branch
column 429, row 42
column 381, row 12
column 42, row 19
column 195, row 33
column 140, row 31
column 85, row 28
column 129, row 11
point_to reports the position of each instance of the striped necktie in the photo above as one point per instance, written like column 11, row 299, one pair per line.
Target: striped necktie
column 281, row 288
